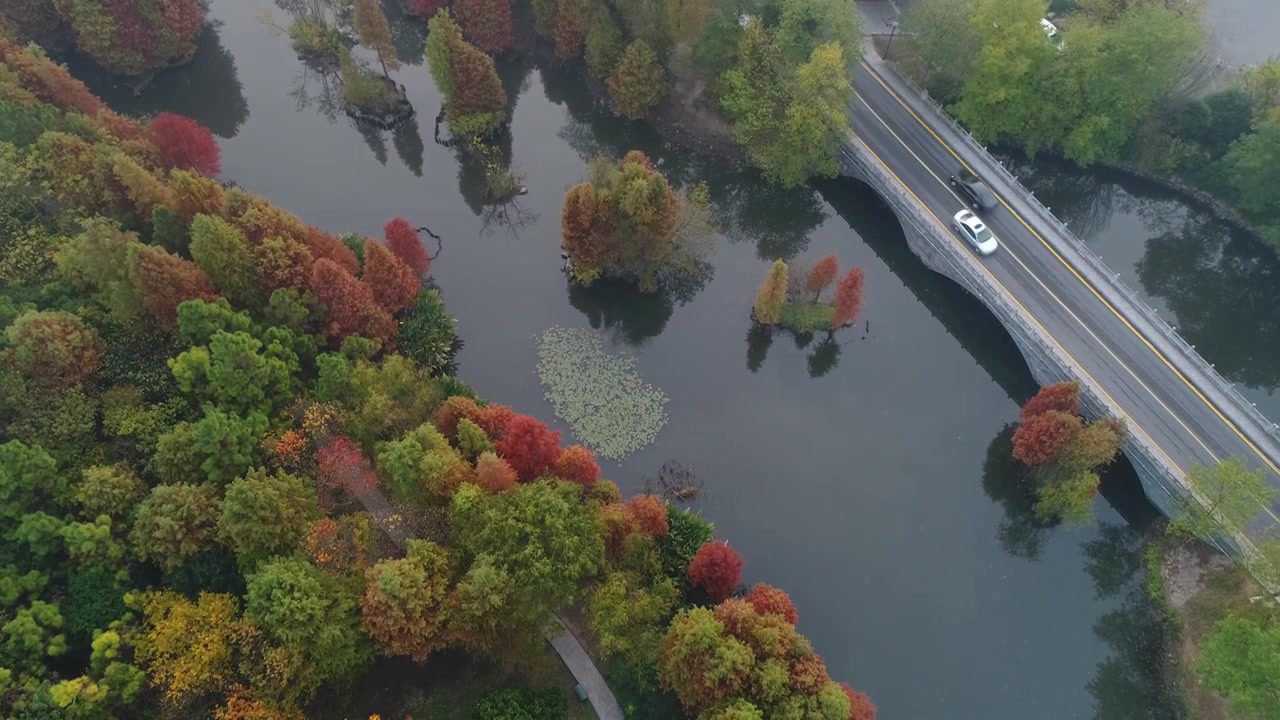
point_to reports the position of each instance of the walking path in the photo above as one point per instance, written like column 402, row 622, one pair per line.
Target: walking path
column 571, row 652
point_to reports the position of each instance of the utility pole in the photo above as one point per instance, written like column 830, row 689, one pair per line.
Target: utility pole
column 893, row 30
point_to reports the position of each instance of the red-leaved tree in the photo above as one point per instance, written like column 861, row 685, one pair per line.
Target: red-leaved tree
column 393, row 283
column 164, row 281
column 717, row 569
column 323, row 245
column 426, row 8
column 342, row 470
column 569, row 33
column 577, row 465
column 529, row 446
column 352, row 310
column 650, row 514
column 848, row 302
column 1063, row 397
column 821, row 275
column 860, row 706
column 493, row 473
column 618, row 523
column 767, row 600
column 185, row 144
column 492, row 418
column 403, row 240
column 808, row 674
column 486, row 23
column 1042, row 438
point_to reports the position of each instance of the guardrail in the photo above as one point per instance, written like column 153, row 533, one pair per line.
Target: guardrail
column 1039, row 350
column 1226, row 387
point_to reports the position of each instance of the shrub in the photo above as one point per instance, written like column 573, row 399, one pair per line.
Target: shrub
column 521, row 704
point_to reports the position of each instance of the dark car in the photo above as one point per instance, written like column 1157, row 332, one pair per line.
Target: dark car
column 974, row 191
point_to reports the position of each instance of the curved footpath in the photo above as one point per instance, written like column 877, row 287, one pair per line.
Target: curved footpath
column 571, row 652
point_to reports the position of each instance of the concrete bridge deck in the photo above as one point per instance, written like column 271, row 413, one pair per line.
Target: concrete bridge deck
column 1071, row 316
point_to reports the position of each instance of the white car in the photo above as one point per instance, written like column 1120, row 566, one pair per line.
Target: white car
column 975, row 232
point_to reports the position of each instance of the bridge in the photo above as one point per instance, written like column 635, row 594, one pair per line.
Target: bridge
column 1071, row 316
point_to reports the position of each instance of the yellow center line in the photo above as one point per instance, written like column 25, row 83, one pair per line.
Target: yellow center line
column 1208, row 403
column 1033, row 276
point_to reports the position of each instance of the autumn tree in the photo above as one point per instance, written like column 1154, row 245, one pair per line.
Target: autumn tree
column 351, row 306
column 188, row 648
column 638, row 82
column 1041, row 438
column 717, row 569
column 185, row 144
column 577, row 465
column 772, row 294
column 404, row 242
column 265, row 514
column 585, row 227
column 1062, row 397
column 342, row 468
column 323, row 245
column 650, row 515
column 164, row 281
column 393, row 283
column 405, row 602
column 374, row 33
column 570, row 33
column 132, row 37
column 421, row 465
column 486, row 23
column 821, row 275
column 174, row 522
column 493, row 473
column 860, row 705
column 475, row 99
column 529, row 446
column 848, row 301
column 767, row 599
column 53, row 349
column 701, row 662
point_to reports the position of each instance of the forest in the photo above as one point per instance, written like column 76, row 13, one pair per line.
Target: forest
column 236, row 465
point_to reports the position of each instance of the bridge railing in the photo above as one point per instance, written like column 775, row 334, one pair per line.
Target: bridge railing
column 1223, row 385
column 1048, row 363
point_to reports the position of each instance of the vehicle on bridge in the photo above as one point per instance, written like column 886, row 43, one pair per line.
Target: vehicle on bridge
column 975, row 232
column 976, row 192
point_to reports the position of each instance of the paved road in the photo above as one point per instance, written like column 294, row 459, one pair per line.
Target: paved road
column 1155, row 394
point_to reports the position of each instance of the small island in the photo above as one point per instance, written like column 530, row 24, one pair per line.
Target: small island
column 800, row 307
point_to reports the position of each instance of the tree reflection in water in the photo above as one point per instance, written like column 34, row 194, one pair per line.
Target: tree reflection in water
column 1019, row 533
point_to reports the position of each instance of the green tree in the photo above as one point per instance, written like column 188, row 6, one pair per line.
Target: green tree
column 28, row 479
column 472, row 440
column 539, row 533
column 1232, row 497
column 1241, row 659
column 227, row 444
column 110, row 490
column 702, row 663
column 604, row 45
column 222, row 252
column 92, row 544
column 176, row 459
column 30, row 635
column 1110, row 78
column 1254, row 167
column 405, row 603
column 638, row 82
column 805, row 25
column 266, row 514
column 173, row 523
column 199, row 321
column 443, row 34
column 628, row 616
column 1003, row 94
column 942, row 41
column 299, row 605
column 236, row 373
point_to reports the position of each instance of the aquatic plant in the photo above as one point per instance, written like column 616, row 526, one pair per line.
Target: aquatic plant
column 607, row 404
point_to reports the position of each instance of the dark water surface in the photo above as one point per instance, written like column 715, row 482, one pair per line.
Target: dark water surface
column 873, row 484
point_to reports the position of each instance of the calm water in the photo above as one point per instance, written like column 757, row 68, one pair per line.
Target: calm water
column 872, row 483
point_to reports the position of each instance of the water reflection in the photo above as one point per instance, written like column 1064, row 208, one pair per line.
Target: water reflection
column 408, row 33
column 1019, row 532
column 824, row 357
column 407, row 139
column 1084, row 200
column 207, row 89
column 375, row 138
column 319, row 88
column 1224, row 290
column 627, row 314
column 759, row 339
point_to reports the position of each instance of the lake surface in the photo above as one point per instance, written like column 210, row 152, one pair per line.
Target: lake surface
column 873, row 484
